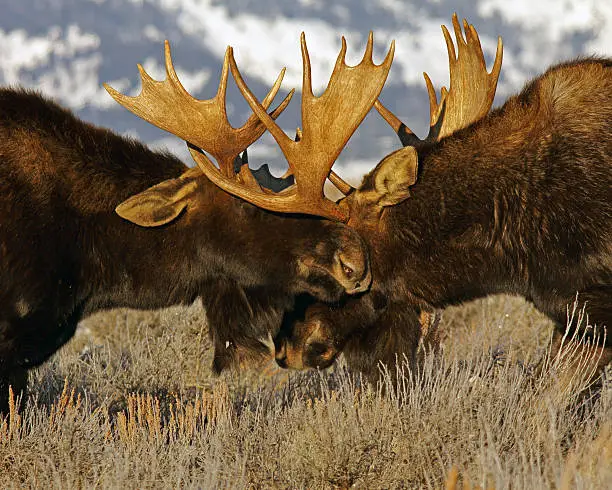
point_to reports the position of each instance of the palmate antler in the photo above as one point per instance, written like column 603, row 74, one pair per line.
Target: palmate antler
column 471, row 93
column 202, row 123
column 328, row 123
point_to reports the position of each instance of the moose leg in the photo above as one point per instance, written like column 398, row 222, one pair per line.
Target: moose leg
column 569, row 343
column 391, row 343
column 17, row 379
column 239, row 323
column 11, row 374
column 37, row 337
column 28, row 342
column 597, row 302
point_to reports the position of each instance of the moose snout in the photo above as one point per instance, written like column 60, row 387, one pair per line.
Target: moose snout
column 308, row 347
column 312, row 355
column 319, row 355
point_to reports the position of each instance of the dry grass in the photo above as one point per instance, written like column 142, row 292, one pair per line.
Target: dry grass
column 131, row 403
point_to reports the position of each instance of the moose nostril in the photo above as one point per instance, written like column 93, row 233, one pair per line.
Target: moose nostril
column 317, row 349
column 320, row 355
column 281, row 359
column 281, row 355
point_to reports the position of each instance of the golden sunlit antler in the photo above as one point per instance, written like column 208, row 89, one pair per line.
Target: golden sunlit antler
column 471, row 93
column 328, row 123
column 203, row 123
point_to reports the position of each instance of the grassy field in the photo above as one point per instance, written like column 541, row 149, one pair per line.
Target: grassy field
column 131, row 403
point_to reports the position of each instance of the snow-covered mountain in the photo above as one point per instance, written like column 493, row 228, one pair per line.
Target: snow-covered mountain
column 67, row 48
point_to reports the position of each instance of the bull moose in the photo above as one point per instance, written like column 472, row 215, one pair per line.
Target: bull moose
column 517, row 200
column 92, row 220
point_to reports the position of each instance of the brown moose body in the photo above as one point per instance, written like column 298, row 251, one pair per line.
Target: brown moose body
column 65, row 252
column 92, row 220
column 518, row 201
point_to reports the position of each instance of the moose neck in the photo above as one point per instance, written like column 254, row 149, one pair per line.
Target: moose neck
column 108, row 261
column 463, row 233
column 173, row 264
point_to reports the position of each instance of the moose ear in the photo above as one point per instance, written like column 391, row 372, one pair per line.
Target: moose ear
column 159, row 204
column 395, row 174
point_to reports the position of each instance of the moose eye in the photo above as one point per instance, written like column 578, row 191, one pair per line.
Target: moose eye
column 347, row 270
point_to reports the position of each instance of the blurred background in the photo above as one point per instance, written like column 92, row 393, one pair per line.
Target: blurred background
column 68, row 48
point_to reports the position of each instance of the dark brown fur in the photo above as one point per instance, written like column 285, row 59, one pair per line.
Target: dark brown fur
column 518, row 203
column 65, row 253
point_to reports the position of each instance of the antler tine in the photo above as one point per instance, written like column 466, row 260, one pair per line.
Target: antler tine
column 405, row 134
column 203, row 123
column 340, row 184
column 328, row 123
column 499, row 54
column 306, row 68
column 144, row 76
column 222, row 89
column 367, row 55
column 171, row 72
column 434, row 107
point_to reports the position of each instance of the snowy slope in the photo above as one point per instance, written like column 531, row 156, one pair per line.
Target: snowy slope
column 67, row 48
